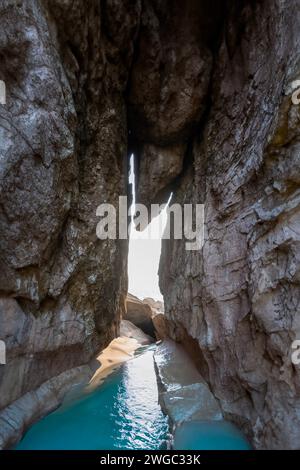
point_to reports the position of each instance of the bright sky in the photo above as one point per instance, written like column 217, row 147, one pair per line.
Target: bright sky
column 144, row 254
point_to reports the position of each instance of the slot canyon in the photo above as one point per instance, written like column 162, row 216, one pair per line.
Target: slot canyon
column 200, row 92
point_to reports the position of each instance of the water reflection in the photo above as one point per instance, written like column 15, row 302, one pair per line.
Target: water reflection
column 123, row 413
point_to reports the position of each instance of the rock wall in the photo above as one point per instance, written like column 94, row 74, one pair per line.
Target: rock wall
column 63, row 146
column 238, row 296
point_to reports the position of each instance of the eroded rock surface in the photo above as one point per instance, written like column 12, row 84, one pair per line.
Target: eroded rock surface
column 139, row 313
column 238, row 296
column 63, row 145
column 17, row 417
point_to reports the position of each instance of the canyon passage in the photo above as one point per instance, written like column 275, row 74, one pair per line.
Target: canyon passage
column 123, row 413
column 200, row 93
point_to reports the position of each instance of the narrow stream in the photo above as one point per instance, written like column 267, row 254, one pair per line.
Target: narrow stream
column 122, row 413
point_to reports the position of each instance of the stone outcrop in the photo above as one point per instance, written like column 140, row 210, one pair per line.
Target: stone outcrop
column 168, row 90
column 160, row 326
column 33, row 405
column 139, row 313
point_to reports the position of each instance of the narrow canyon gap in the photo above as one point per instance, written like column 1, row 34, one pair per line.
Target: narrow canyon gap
column 200, row 92
column 144, row 250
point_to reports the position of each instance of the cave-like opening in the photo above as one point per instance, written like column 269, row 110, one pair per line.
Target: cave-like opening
column 144, row 250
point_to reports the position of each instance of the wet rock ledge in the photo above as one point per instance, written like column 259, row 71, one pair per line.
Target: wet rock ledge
column 184, row 395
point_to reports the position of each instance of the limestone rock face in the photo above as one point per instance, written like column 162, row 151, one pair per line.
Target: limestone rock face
column 139, row 313
column 159, row 166
column 238, row 296
column 63, row 149
column 168, row 89
column 171, row 72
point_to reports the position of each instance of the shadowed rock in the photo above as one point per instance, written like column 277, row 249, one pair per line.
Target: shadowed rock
column 140, row 314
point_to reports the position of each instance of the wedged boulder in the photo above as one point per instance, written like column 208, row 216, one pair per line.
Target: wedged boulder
column 170, row 79
column 156, row 305
column 140, row 314
column 159, row 166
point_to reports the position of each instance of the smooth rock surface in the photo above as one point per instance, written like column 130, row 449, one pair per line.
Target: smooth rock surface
column 174, row 367
column 63, row 150
column 190, row 403
column 184, row 396
column 19, row 415
column 160, row 326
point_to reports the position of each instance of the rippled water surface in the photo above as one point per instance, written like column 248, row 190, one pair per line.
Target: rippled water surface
column 123, row 413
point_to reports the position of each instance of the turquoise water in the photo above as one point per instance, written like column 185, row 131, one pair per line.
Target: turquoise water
column 123, row 413
column 209, row 435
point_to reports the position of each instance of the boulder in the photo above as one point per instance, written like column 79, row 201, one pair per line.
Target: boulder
column 156, row 305
column 140, row 314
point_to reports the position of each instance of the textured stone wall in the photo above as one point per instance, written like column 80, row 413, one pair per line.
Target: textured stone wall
column 238, row 297
column 63, row 147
